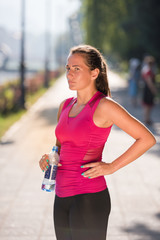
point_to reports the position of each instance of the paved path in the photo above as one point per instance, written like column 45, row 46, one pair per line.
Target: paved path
column 26, row 211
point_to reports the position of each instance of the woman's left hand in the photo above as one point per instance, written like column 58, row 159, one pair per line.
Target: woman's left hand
column 97, row 169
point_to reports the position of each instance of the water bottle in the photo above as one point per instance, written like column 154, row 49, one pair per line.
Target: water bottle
column 48, row 183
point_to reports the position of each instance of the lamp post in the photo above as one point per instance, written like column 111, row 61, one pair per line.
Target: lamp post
column 47, row 43
column 22, row 58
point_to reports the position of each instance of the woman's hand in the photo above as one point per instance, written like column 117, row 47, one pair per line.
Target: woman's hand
column 97, row 169
column 44, row 162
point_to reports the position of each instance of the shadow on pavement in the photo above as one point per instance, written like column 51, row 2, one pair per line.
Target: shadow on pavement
column 49, row 115
column 6, row 142
column 158, row 215
column 143, row 231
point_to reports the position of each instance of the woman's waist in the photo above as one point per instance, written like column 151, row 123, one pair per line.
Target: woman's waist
column 75, row 155
column 69, row 168
column 75, row 164
column 72, row 153
column 73, row 174
column 67, row 177
column 70, row 183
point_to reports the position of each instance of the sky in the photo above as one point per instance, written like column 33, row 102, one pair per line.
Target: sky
column 58, row 12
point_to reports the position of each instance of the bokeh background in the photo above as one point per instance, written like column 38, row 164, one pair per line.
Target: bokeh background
column 35, row 38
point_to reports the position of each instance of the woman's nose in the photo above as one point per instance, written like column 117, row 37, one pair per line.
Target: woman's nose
column 69, row 72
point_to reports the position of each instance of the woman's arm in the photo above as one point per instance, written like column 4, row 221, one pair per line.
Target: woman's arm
column 58, row 144
column 43, row 163
column 116, row 114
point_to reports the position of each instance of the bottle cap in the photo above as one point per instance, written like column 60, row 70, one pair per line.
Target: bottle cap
column 55, row 148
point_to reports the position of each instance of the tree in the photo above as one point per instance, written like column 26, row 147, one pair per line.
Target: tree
column 94, row 15
column 126, row 28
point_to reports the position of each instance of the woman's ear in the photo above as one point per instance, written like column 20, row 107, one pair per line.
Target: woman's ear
column 95, row 73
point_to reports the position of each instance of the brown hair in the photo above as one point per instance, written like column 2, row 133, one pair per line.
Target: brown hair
column 149, row 59
column 94, row 59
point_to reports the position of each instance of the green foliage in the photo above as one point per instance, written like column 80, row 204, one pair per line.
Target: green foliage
column 9, row 113
column 125, row 28
column 10, row 93
column 9, row 97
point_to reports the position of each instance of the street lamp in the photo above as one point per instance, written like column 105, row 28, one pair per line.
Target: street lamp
column 22, row 60
column 47, row 43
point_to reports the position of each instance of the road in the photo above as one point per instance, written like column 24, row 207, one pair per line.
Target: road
column 26, row 211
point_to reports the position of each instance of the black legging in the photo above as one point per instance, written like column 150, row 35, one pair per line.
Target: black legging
column 82, row 217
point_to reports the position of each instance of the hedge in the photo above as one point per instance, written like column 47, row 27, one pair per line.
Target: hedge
column 10, row 93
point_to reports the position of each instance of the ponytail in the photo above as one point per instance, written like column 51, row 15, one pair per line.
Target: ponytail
column 101, row 82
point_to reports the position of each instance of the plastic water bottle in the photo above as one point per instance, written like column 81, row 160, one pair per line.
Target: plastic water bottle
column 48, row 183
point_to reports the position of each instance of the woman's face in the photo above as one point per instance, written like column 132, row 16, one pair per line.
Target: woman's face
column 78, row 74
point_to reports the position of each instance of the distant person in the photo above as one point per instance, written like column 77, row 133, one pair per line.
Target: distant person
column 149, row 89
column 134, row 77
column 82, row 201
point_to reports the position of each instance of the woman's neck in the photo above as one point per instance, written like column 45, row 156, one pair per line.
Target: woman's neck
column 84, row 97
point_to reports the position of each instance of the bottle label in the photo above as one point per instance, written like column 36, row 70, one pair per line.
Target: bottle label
column 54, row 172
column 50, row 171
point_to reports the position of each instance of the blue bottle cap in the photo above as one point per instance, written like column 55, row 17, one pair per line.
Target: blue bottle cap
column 55, row 148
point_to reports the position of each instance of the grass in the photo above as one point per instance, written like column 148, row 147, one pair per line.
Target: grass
column 6, row 121
column 32, row 98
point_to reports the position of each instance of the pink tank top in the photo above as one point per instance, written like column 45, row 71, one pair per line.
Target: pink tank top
column 81, row 142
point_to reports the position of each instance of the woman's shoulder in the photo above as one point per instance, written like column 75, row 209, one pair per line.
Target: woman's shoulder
column 107, row 103
column 65, row 103
column 109, row 107
column 62, row 104
column 105, row 112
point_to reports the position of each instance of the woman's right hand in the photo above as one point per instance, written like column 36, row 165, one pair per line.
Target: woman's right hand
column 44, row 162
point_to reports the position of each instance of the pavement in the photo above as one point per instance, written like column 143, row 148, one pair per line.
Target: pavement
column 26, row 211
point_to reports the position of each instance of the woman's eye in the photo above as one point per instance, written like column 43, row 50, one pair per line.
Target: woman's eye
column 76, row 69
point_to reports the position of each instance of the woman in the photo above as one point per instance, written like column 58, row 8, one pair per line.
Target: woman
column 149, row 90
column 82, row 201
column 134, row 77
